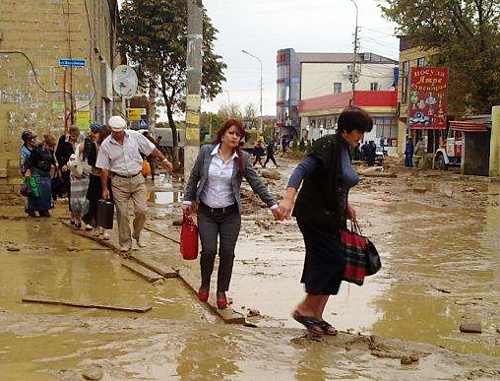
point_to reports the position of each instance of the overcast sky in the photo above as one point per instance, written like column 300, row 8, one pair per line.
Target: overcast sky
column 261, row 27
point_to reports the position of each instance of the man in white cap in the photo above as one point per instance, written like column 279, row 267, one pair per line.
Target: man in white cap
column 120, row 157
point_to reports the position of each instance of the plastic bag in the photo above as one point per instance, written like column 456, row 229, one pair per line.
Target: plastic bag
column 29, row 187
column 146, row 168
column 189, row 238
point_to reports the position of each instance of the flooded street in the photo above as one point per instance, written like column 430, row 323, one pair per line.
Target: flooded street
column 437, row 234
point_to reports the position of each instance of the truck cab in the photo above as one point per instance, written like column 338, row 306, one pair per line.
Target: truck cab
column 450, row 151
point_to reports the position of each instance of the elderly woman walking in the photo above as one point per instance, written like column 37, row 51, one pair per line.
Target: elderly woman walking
column 321, row 209
column 38, row 165
column 215, row 184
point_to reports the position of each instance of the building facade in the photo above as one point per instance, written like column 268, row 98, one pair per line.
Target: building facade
column 320, row 115
column 310, row 75
column 40, row 88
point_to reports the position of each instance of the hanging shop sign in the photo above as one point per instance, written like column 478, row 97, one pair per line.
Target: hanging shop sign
column 428, row 99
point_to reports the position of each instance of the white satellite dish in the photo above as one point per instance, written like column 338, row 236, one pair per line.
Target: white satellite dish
column 125, row 81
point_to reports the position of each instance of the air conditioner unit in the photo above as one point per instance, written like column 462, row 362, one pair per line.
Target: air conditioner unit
column 367, row 56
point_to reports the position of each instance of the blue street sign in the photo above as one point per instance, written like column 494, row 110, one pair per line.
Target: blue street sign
column 72, row 62
column 143, row 123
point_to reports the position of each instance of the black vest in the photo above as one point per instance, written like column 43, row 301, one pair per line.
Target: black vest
column 319, row 200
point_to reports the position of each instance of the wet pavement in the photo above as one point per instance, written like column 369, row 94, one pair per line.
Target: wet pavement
column 441, row 268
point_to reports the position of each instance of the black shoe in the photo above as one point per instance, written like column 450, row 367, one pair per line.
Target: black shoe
column 44, row 213
column 31, row 213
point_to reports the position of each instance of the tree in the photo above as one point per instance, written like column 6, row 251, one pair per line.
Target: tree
column 230, row 111
column 153, row 35
column 250, row 114
column 464, row 36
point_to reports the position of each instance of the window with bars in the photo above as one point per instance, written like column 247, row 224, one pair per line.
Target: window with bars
column 337, row 87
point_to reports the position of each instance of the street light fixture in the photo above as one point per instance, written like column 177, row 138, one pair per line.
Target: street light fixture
column 257, row 58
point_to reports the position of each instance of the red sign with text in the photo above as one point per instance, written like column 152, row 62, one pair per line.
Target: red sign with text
column 428, row 98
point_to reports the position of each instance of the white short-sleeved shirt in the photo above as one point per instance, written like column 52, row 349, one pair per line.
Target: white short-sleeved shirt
column 126, row 159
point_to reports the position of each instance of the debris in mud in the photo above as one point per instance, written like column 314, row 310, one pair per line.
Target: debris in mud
column 420, row 190
column 263, row 224
column 270, row 174
column 471, row 327
column 177, row 222
column 13, row 248
column 92, row 373
column 409, row 359
column 443, row 290
column 252, row 312
column 470, row 189
column 72, row 248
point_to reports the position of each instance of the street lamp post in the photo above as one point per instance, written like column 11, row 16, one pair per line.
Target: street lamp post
column 257, row 58
column 354, row 77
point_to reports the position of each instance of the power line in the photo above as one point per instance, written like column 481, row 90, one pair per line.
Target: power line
column 35, row 73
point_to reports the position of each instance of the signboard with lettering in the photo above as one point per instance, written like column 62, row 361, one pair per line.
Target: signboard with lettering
column 428, row 98
column 72, row 62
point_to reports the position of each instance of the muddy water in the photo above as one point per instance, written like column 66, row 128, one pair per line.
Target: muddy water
column 441, row 269
column 54, row 264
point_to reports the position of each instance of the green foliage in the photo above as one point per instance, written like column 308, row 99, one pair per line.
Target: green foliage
column 465, row 37
column 153, row 34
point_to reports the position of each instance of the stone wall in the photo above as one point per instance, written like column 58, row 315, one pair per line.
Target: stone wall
column 35, row 91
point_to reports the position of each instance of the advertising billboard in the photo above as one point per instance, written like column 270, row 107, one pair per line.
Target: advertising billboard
column 428, row 100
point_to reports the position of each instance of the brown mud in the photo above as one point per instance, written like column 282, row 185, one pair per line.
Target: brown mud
column 437, row 233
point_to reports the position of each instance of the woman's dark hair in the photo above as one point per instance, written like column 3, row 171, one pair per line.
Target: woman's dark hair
column 354, row 118
column 220, row 133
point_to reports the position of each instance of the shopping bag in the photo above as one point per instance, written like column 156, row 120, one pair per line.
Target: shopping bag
column 189, row 238
column 361, row 256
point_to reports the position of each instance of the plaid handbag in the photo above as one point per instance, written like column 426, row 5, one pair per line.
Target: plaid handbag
column 361, row 256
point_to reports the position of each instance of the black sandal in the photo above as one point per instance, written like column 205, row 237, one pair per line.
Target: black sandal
column 325, row 326
column 312, row 324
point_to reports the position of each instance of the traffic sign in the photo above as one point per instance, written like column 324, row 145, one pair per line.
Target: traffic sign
column 143, row 123
column 72, row 62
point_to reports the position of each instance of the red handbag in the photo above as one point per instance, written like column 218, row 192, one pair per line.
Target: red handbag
column 189, row 238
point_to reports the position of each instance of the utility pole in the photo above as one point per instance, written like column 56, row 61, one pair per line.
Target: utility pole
column 193, row 91
column 355, row 69
column 257, row 58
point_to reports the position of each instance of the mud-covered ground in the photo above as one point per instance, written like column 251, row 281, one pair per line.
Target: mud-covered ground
column 437, row 233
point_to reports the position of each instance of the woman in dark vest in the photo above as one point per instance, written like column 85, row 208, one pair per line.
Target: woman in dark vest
column 322, row 209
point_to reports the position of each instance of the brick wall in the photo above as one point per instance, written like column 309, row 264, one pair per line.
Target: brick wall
column 45, row 31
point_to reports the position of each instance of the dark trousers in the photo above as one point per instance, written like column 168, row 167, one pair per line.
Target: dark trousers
column 67, row 182
column 270, row 157
column 212, row 225
column 408, row 160
column 258, row 159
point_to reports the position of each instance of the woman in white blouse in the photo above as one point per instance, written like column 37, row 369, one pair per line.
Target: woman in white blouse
column 215, row 184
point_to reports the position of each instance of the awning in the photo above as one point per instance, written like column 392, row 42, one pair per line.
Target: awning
column 467, row 126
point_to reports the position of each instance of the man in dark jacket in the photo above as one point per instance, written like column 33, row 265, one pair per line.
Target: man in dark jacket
column 410, row 148
column 270, row 154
